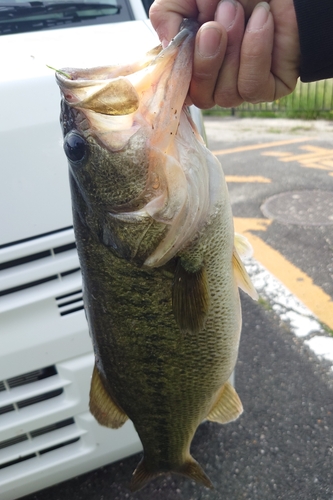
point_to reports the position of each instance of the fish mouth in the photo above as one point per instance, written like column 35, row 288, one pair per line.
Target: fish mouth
column 118, row 91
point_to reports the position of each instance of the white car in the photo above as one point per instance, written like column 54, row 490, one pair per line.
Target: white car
column 47, row 434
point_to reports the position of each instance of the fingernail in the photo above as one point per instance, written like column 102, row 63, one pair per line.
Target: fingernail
column 259, row 17
column 209, row 41
column 226, row 13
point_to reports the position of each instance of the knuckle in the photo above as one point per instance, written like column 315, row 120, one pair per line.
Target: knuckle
column 254, row 91
column 202, row 100
column 200, row 77
column 203, row 104
column 154, row 13
column 227, row 98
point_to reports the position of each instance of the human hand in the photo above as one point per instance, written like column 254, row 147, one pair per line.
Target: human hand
column 245, row 50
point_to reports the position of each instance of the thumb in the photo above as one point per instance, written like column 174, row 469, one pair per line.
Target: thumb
column 167, row 15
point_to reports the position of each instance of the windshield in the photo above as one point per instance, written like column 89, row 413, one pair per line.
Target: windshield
column 20, row 16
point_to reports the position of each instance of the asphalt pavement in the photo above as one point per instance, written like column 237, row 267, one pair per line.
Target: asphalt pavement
column 282, row 445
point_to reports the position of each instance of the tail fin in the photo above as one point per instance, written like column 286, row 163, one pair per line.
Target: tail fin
column 190, row 468
column 193, row 470
column 141, row 477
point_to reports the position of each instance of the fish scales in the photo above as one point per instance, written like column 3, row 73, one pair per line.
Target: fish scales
column 155, row 239
column 155, row 354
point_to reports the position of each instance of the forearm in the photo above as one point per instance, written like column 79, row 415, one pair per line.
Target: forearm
column 315, row 25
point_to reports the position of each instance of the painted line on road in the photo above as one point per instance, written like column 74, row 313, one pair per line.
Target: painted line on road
column 253, row 147
column 247, row 178
column 291, row 293
column 295, row 280
column 313, row 152
column 315, row 157
column 291, row 311
column 265, row 271
column 298, row 282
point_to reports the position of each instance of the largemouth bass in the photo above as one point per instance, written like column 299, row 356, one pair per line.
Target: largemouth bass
column 160, row 269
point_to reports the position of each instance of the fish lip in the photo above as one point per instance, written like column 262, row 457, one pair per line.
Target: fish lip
column 62, row 79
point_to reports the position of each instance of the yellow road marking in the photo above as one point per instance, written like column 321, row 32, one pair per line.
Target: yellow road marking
column 327, row 163
column 307, row 156
column 247, row 178
column 243, row 224
column 316, row 157
column 276, row 153
column 317, row 149
column 252, row 147
column 298, row 282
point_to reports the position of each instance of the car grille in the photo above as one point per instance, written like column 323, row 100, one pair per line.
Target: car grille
column 28, row 378
column 40, row 281
column 38, row 268
column 32, row 262
column 39, row 386
column 46, row 431
column 70, row 302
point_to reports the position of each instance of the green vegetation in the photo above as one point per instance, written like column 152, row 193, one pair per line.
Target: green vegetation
column 308, row 101
column 327, row 329
column 265, row 303
column 60, row 72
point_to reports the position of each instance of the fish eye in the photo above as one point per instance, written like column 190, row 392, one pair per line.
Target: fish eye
column 75, row 146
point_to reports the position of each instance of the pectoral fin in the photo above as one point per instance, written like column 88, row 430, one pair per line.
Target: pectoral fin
column 106, row 411
column 243, row 279
column 190, row 298
column 227, row 406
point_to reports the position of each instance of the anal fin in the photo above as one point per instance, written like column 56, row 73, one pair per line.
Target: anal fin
column 227, row 406
column 103, row 408
column 190, row 298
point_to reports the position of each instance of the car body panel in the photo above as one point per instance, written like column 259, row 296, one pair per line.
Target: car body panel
column 33, row 165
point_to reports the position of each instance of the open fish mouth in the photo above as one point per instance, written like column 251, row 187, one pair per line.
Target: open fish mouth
column 119, row 90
